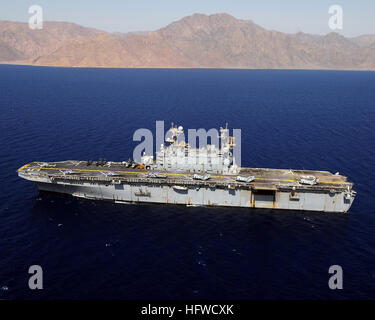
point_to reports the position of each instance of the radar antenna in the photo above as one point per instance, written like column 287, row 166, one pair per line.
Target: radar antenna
column 175, row 132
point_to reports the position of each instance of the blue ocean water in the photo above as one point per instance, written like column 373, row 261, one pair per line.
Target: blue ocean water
column 320, row 120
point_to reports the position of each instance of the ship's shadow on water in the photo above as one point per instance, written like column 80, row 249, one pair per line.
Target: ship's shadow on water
column 195, row 249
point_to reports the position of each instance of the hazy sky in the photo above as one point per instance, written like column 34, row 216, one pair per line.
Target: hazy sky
column 140, row 15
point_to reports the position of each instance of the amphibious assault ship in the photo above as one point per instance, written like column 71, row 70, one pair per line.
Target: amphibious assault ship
column 181, row 174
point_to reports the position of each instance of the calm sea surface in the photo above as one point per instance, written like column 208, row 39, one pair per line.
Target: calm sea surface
column 320, row 120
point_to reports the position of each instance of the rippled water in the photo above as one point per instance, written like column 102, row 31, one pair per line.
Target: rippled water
column 320, row 120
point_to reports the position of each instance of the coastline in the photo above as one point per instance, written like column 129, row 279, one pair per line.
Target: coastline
column 23, row 63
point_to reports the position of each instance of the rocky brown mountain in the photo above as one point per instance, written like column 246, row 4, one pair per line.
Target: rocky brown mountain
column 197, row 41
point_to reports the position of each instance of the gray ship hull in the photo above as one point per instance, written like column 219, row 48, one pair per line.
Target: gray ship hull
column 272, row 189
column 325, row 202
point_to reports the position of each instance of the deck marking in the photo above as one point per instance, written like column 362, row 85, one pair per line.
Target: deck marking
column 24, row 167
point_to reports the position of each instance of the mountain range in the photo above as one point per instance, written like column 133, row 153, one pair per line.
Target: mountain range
column 197, row 41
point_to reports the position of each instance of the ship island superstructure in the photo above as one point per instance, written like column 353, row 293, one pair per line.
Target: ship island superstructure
column 205, row 176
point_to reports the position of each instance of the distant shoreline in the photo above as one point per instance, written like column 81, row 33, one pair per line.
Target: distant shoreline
column 182, row 68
